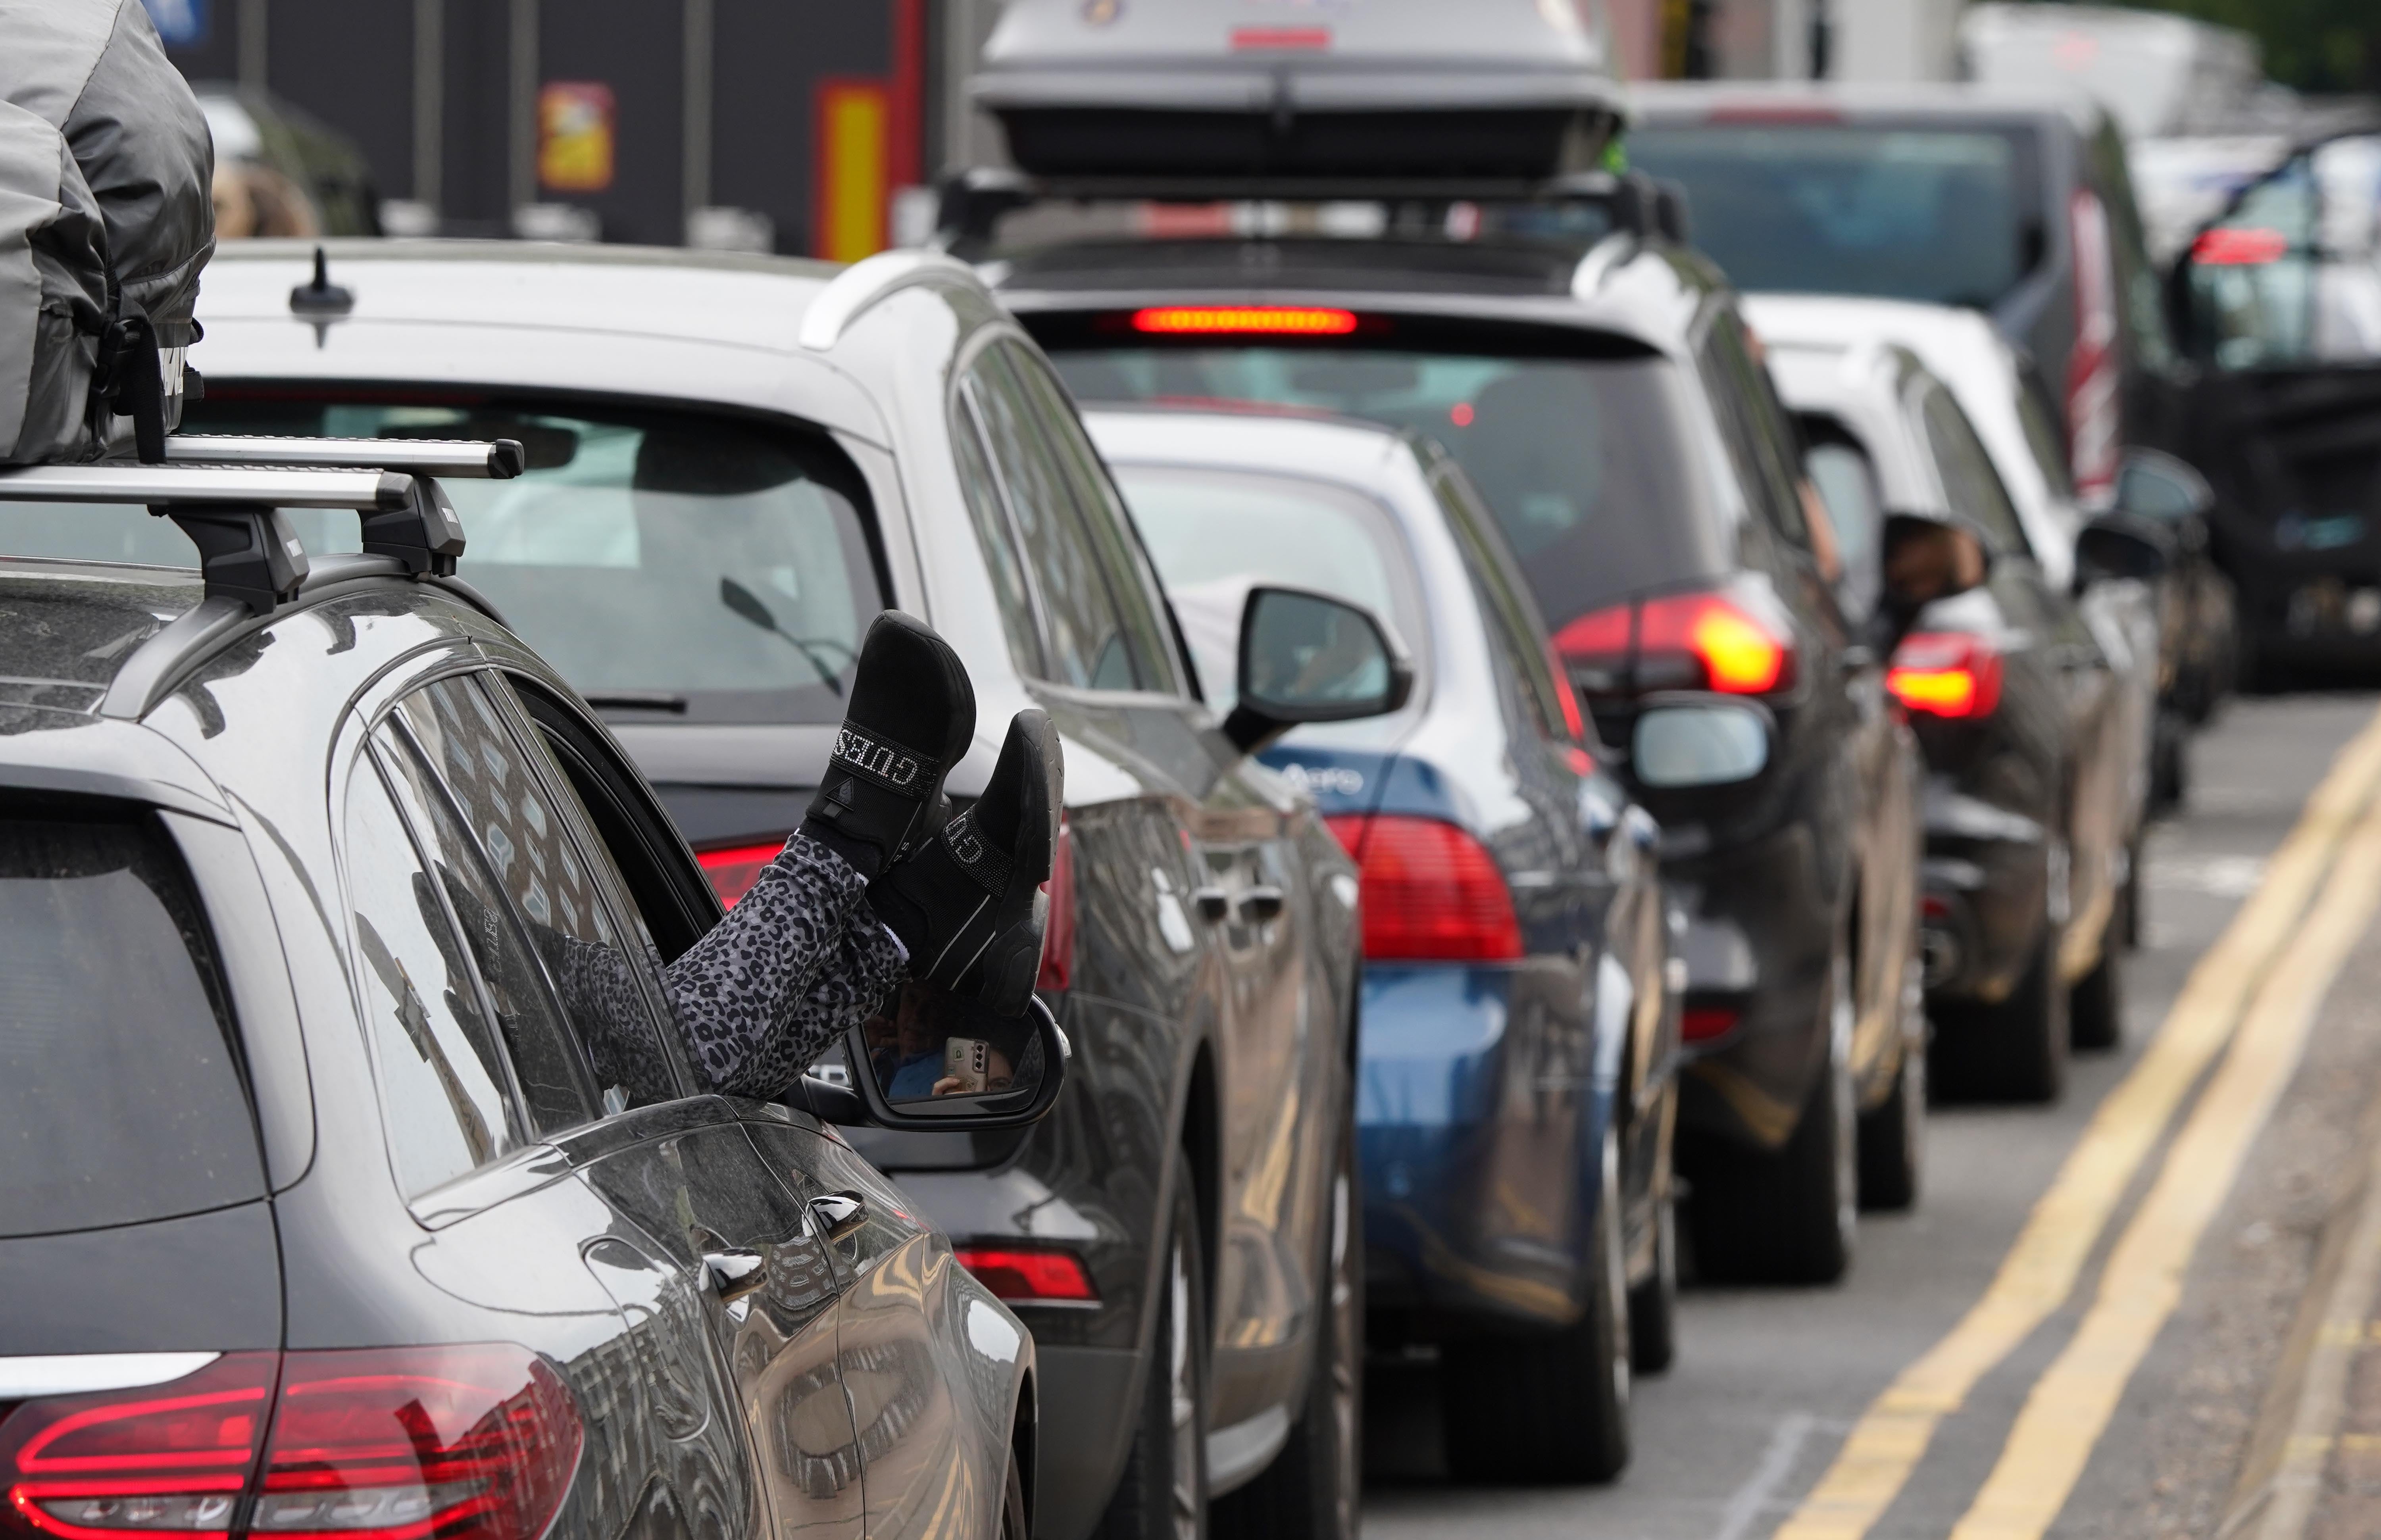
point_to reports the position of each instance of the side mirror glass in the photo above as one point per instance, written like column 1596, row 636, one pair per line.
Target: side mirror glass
column 2159, row 486
column 2117, row 547
column 1699, row 744
column 932, row 1061
column 1308, row 657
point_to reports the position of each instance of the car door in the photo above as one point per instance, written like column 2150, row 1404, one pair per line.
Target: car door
column 720, row 1266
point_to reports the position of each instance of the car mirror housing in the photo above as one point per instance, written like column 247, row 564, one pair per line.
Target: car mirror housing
column 2157, row 486
column 929, row 1061
column 1691, row 742
column 1309, row 657
column 2116, row 546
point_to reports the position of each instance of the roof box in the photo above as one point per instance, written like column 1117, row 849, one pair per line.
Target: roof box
column 1279, row 90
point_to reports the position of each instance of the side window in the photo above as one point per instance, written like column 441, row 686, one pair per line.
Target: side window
column 556, row 879
column 997, row 541
column 1759, row 437
column 442, row 1078
column 2042, row 434
column 1083, row 636
column 1969, row 479
column 1513, row 629
column 1130, row 579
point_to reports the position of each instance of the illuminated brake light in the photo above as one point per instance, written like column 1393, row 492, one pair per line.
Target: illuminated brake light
column 1020, row 1274
column 1431, row 893
column 733, row 871
column 1058, row 929
column 1739, row 651
column 1304, row 39
column 1243, row 320
column 2239, row 248
column 1945, row 674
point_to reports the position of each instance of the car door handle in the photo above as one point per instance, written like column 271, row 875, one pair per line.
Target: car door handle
column 1214, row 904
column 1260, row 904
column 839, row 1214
column 735, row 1272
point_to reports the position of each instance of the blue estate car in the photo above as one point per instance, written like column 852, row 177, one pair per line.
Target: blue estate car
column 1515, row 1091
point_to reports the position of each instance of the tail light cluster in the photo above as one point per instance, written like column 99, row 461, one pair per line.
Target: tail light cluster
column 1431, row 892
column 1738, row 641
column 733, row 871
column 1030, row 1275
column 1947, row 674
column 1058, row 927
column 476, row 1442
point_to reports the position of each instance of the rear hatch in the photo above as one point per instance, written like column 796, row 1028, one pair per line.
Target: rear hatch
column 134, row 1216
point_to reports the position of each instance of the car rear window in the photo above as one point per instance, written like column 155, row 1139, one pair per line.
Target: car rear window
column 672, row 565
column 1947, row 215
column 1590, row 464
column 120, row 1096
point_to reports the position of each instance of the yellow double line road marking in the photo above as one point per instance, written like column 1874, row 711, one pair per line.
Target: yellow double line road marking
column 2041, row 1269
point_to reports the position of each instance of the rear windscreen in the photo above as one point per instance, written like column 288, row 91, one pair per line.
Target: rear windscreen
column 672, row 566
column 120, row 1100
column 1945, row 216
column 1589, row 463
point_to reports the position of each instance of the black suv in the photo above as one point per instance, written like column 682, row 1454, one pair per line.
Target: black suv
column 335, row 1200
column 1593, row 378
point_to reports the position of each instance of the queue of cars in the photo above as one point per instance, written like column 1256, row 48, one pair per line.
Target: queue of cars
column 1560, row 754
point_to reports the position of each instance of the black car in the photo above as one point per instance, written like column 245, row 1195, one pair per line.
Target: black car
column 337, row 1198
column 1597, row 385
column 733, row 463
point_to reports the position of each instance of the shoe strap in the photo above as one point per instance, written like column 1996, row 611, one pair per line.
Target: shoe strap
column 881, row 761
column 975, row 855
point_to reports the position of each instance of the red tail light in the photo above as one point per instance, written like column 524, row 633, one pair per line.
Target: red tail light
column 1702, row 1024
column 1945, row 674
column 1738, row 641
column 2251, row 248
column 1058, row 933
column 733, row 871
column 474, row 1442
column 1030, row 1275
column 1431, row 893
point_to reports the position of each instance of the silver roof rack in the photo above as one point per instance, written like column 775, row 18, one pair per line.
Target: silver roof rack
column 227, row 494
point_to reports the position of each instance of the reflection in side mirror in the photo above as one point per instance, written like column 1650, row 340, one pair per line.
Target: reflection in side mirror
column 2117, row 547
column 2156, row 485
column 1699, row 744
column 931, row 1060
column 1308, row 657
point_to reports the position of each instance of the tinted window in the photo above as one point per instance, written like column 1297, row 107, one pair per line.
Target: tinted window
column 120, row 1098
column 1592, row 466
column 1513, row 628
column 672, row 566
column 1758, row 441
column 1968, row 480
column 1951, row 216
column 1216, row 533
column 997, row 541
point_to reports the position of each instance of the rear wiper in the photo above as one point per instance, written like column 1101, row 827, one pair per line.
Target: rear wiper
column 639, row 699
column 748, row 604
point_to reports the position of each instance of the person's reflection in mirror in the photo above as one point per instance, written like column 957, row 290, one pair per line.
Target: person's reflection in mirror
column 907, row 1046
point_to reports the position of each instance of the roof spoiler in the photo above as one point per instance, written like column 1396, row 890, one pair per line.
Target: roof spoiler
column 227, row 494
column 974, row 202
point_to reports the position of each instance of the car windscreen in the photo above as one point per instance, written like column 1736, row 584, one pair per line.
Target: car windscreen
column 674, row 567
column 1948, row 216
column 1215, row 534
column 1591, row 464
column 120, row 1093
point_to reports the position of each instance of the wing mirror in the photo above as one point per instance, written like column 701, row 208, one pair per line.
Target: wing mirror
column 1308, row 657
column 1686, row 742
column 2157, row 486
column 932, row 1062
column 1924, row 558
column 2118, row 545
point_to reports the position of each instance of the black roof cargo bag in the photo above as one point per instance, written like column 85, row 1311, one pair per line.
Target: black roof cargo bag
column 106, row 216
column 1387, row 89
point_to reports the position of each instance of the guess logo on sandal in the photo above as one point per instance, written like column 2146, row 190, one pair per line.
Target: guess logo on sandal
column 878, row 760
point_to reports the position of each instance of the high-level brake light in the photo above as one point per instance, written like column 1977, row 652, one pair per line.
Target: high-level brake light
column 1431, row 892
column 1948, row 674
column 1244, row 319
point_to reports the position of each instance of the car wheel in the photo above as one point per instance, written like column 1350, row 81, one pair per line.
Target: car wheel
column 2169, row 767
column 1163, row 1495
column 2013, row 1051
column 1789, row 1216
column 1013, row 1523
column 2127, row 921
column 2096, row 1006
column 1654, row 1304
column 1312, row 1489
column 1551, row 1406
column 1893, row 1134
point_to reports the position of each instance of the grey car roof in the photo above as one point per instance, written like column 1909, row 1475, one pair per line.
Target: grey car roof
column 1667, row 103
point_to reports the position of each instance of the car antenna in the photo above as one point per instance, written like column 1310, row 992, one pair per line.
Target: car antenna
column 322, row 301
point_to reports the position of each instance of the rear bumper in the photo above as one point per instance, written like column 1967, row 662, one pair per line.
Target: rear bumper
column 1480, row 1113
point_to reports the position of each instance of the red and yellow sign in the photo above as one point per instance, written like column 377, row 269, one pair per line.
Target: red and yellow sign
column 851, row 192
column 574, row 136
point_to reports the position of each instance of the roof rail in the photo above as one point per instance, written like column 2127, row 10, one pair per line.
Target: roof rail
column 974, row 202
column 852, row 292
column 227, row 494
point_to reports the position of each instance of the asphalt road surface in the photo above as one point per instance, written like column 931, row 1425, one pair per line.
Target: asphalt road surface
column 2143, row 1312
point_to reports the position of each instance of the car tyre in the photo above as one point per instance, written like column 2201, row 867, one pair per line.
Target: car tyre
column 1163, row 1494
column 1014, row 1523
column 1548, row 1407
column 2014, row 1050
column 2096, row 1006
column 1654, row 1304
column 1789, row 1216
column 1893, row 1137
column 1314, row 1489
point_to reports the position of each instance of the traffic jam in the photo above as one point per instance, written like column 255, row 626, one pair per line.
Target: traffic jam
column 1399, row 777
